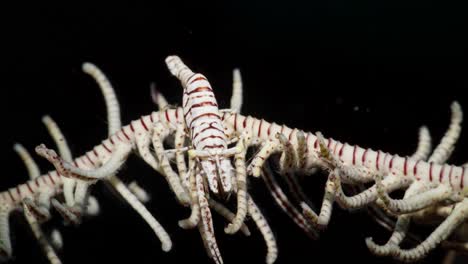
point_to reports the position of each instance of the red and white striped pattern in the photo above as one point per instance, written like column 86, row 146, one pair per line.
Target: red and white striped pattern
column 203, row 119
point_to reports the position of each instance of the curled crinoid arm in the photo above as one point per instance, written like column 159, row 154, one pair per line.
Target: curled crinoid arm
column 226, row 213
column 172, row 177
column 444, row 230
column 418, row 201
column 434, row 195
column 40, row 211
column 38, row 234
column 424, row 145
column 241, row 183
column 346, row 173
column 59, row 139
column 142, row 195
column 179, row 141
column 301, row 149
column 266, row 150
column 113, row 108
column 114, row 124
column 401, row 226
column 166, row 243
column 205, row 224
column 285, row 204
column 69, row 185
column 445, row 148
column 65, row 153
column 369, row 195
column 117, row 158
column 326, row 209
column 67, row 213
column 265, row 230
column 289, row 162
column 194, row 218
column 158, row 98
column 31, row 166
column 5, row 241
column 142, row 142
column 236, row 98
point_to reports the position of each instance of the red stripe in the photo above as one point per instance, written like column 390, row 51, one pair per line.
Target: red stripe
column 363, row 160
column 151, row 118
column 143, row 123
column 104, row 145
column 316, row 143
column 259, row 127
column 430, row 171
column 36, row 181
column 441, row 174
column 290, row 134
column 235, row 122
column 200, row 78
column 187, row 99
column 377, row 159
column 29, row 187
column 125, row 134
column 212, row 136
column 177, row 114
column 391, row 162
column 354, row 155
column 462, row 175
column 11, row 195
column 202, row 115
column 204, row 129
column 341, row 150
column 204, row 103
column 200, row 89
column 131, row 127
column 50, row 178
column 244, row 123
column 167, row 116
column 95, row 153
column 213, row 146
column 89, row 159
column 18, row 191
column 415, row 169
column 268, row 130
column 111, row 141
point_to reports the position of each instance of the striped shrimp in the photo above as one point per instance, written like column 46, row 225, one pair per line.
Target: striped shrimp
column 204, row 124
column 209, row 157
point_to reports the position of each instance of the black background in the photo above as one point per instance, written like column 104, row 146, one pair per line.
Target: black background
column 366, row 72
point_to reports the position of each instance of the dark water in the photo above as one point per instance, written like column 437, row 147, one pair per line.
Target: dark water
column 368, row 72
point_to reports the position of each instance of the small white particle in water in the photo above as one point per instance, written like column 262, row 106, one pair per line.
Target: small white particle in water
column 356, row 108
